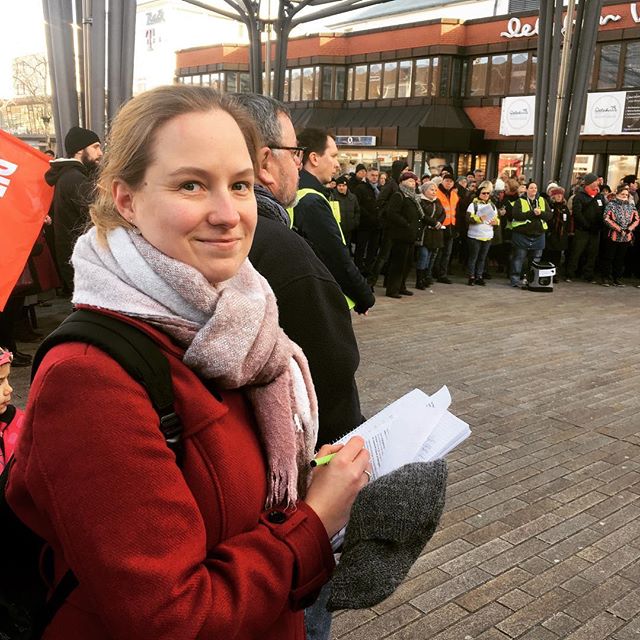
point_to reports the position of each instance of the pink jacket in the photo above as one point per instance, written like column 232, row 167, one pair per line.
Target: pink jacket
column 10, row 425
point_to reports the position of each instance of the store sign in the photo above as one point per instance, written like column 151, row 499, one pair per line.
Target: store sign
column 517, row 117
column 356, row 141
column 518, row 29
column 608, row 113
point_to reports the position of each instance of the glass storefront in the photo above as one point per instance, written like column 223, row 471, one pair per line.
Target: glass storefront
column 381, row 158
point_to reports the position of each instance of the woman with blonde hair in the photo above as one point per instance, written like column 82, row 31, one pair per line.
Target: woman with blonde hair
column 232, row 540
column 482, row 216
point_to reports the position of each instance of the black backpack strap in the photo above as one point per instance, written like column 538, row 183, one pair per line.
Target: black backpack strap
column 134, row 351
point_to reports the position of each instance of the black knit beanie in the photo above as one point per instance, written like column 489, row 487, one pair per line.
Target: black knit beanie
column 391, row 521
column 77, row 139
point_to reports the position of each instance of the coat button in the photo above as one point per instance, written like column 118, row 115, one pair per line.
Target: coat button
column 276, row 517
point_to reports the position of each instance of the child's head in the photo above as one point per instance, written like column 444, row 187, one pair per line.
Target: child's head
column 5, row 388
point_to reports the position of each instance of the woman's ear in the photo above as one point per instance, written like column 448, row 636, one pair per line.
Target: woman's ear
column 122, row 195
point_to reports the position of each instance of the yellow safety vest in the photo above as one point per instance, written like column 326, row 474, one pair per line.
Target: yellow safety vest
column 335, row 209
column 526, row 208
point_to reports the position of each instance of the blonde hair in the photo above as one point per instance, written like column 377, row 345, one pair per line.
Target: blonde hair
column 485, row 185
column 130, row 145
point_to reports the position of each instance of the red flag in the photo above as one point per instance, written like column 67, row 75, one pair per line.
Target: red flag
column 25, row 198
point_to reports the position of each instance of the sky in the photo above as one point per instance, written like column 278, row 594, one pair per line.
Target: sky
column 21, row 33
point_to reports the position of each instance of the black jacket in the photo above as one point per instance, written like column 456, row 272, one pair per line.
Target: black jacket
column 314, row 314
column 349, row 211
column 70, row 209
column 369, row 213
column 403, row 218
column 534, row 223
column 313, row 219
column 588, row 212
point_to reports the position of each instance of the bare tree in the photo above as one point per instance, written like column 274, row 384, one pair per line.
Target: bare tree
column 291, row 13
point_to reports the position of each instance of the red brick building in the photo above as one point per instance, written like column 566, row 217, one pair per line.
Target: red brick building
column 435, row 89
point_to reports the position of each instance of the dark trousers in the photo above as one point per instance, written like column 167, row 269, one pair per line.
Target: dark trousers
column 8, row 318
column 588, row 244
column 367, row 244
column 383, row 256
column 441, row 265
column 399, row 266
column 613, row 256
column 478, row 250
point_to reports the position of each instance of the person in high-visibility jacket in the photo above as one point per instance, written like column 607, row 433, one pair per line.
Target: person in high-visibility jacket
column 314, row 218
column 530, row 215
column 448, row 196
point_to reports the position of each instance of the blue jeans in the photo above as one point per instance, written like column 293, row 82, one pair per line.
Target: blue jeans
column 423, row 258
column 522, row 247
column 317, row 619
column 478, row 250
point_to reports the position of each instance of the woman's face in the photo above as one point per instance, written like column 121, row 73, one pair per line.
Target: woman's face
column 410, row 183
column 623, row 195
column 484, row 193
column 196, row 202
column 432, row 191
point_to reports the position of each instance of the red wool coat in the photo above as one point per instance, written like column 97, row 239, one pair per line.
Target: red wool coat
column 159, row 552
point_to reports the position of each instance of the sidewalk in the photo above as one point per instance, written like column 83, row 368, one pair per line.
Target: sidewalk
column 541, row 535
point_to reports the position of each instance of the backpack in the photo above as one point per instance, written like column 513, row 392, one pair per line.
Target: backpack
column 25, row 611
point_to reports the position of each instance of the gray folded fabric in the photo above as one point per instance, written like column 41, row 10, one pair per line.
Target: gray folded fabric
column 392, row 519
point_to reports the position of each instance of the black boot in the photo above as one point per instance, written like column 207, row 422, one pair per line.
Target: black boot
column 420, row 277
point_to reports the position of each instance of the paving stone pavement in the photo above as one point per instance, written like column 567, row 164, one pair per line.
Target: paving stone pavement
column 540, row 538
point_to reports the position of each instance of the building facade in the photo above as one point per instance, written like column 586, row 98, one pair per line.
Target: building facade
column 435, row 91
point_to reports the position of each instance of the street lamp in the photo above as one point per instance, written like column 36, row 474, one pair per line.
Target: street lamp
column 46, row 119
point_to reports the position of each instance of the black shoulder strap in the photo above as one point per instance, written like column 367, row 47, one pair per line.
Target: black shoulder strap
column 134, row 351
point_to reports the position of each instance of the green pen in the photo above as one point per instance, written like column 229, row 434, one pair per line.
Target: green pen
column 316, row 462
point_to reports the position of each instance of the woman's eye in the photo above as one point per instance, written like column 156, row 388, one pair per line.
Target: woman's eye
column 191, row 186
column 241, row 186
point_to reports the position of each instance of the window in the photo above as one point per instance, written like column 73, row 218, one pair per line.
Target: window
column 533, row 77
column 350, row 75
column 232, row 81
column 498, row 75
column 307, row 83
column 327, row 83
column 518, row 76
column 287, row 84
column 375, row 81
column 435, row 76
column 404, row 79
column 478, row 83
column 295, row 88
column 390, row 79
column 339, row 90
column 316, row 83
column 245, row 83
column 632, row 66
column 608, row 69
column 423, row 67
column 360, row 86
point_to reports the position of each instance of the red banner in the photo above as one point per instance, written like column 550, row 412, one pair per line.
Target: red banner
column 25, row 198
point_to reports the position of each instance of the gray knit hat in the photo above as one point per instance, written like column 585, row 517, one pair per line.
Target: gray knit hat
column 391, row 520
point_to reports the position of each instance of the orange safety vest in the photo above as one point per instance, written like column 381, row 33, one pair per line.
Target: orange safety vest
column 449, row 205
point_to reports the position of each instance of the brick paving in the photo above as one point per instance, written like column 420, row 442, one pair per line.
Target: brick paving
column 540, row 538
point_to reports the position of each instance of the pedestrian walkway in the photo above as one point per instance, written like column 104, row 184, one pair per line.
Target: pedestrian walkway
column 541, row 534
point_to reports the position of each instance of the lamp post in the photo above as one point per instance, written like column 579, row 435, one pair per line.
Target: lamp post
column 46, row 119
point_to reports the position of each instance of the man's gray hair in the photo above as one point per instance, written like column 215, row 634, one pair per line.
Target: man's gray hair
column 265, row 111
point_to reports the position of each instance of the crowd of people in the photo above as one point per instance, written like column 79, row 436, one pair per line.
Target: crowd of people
column 488, row 227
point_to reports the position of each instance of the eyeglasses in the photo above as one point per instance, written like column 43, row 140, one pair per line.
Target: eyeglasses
column 296, row 152
column 485, row 193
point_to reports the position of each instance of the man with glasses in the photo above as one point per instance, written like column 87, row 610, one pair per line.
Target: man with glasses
column 316, row 217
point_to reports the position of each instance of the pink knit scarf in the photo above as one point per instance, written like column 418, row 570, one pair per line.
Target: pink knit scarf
column 230, row 333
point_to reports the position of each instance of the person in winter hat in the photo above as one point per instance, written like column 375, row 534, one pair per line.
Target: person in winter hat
column 73, row 180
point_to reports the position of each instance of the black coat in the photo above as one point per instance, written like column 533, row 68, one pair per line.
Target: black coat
column 349, row 211
column 314, row 314
column 313, row 219
column 403, row 218
column 369, row 212
column 429, row 236
column 588, row 212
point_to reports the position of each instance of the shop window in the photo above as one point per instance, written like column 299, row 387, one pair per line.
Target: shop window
column 327, row 83
column 518, row 76
column 533, row 71
column 375, row 81
column 498, row 75
column 619, row 167
column 307, row 83
column 404, row 79
column 390, row 79
column 478, row 83
column 188, row 80
column 456, row 78
column 339, row 90
column 435, row 77
column 421, row 87
column 316, row 83
column 632, row 66
column 608, row 67
column 360, row 85
column 232, row 82
column 295, row 84
column 245, row 83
